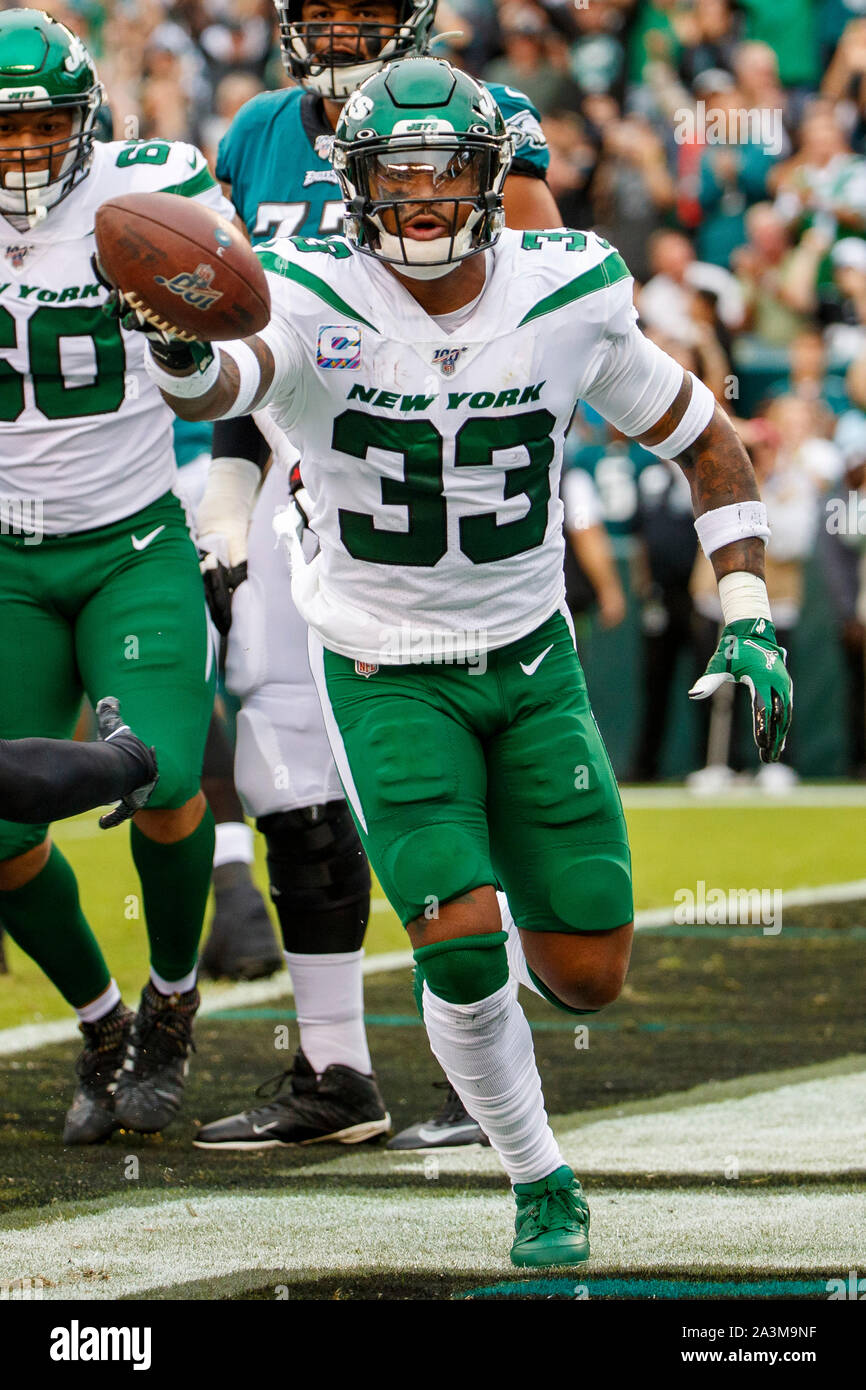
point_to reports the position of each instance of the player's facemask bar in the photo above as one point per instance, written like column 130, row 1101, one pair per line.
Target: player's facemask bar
column 27, row 191
column 397, row 185
column 334, row 59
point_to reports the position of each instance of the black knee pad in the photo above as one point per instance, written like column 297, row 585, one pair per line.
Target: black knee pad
column 320, row 878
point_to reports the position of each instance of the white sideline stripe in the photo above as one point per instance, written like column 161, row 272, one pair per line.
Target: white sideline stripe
column 639, row 799
column 204, row 1236
column 28, row 1036
column 750, row 797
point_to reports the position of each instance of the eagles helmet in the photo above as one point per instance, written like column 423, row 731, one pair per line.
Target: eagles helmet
column 43, row 65
column 422, row 119
column 309, row 54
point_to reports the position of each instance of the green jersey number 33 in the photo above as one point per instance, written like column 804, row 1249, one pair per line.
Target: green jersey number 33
column 420, row 490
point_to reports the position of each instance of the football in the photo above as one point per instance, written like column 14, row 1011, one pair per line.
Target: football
column 182, row 266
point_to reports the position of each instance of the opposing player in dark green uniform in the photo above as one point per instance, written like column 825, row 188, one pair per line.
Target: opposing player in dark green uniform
column 274, row 161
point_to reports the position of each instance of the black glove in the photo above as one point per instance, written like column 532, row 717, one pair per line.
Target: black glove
column 170, row 349
column 220, row 582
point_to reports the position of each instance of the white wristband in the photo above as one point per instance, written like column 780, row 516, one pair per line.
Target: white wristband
column 736, row 522
column 250, row 377
column 183, row 388
column 226, row 507
column 742, row 596
column 697, row 415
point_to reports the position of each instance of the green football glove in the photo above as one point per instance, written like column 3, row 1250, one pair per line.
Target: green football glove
column 748, row 652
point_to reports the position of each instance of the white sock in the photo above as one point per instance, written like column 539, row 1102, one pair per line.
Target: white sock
column 517, row 967
column 486, row 1051
column 101, row 1005
column 329, row 998
column 233, row 844
column 173, row 986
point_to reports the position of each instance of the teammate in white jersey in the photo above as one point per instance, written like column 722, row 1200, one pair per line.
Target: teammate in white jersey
column 426, row 367
column 99, row 585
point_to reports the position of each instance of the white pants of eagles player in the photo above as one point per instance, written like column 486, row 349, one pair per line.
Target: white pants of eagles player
column 283, row 761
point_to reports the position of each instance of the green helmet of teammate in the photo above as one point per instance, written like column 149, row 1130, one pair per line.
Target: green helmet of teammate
column 43, row 66
column 423, row 122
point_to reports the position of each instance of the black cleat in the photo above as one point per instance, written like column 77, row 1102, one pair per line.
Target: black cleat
column 241, row 944
column 90, row 1119
column 450, row 1128
column 342, row 1106
column 150, row 1085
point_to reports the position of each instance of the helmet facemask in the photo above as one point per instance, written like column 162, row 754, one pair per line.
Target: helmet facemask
column 350, row 52
column 28, row 193
column 427, row 181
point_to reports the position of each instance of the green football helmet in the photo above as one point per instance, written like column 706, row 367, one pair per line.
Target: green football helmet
column 43, row 66
column 416, row 144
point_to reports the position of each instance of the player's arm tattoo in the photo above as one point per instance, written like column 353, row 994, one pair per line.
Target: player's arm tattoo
column 719, row 472
column 223, row 394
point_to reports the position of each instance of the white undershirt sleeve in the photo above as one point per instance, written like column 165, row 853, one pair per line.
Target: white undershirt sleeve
column 636, row 383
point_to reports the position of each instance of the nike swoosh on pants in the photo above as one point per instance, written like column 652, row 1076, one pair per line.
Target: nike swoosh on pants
column 534, row 665
column 146, row 540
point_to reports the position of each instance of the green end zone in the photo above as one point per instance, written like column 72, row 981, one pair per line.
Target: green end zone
column 712, row 1113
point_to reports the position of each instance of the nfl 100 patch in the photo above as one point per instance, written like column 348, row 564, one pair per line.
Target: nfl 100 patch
column 446, row 359
column 339, row 345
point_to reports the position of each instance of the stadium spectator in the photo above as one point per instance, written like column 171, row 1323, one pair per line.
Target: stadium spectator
column 733, row 173
column 824, row 183
column 591, row 574
column 632, row 189
column 573, row 160
column 527, row 41
column 809, row 379
column 794, row 465
column 662, row 568
column 665, row 301
column 597, row 58
column 775, row 309
column 712, row 40
column 841, row 550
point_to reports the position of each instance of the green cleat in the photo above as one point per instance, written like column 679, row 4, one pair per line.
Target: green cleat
column 552, row 1222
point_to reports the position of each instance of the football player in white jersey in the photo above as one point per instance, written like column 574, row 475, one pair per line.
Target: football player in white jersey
column 274, row 164
column 100, row 591
column 450, row 687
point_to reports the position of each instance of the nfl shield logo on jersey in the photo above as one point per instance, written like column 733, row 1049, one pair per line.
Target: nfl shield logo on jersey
column 446, row 359
column 17, row 255
column 366, row 668
column 339, row 345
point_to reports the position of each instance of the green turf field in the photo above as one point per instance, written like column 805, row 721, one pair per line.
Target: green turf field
column 716, row 1117
column 785, row 846
column 715, row 1113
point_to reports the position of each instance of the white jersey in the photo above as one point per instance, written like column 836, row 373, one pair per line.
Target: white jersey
column 432, row 459
column 85, row 438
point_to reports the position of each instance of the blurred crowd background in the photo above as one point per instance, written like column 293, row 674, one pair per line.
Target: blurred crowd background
column 722, row 148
